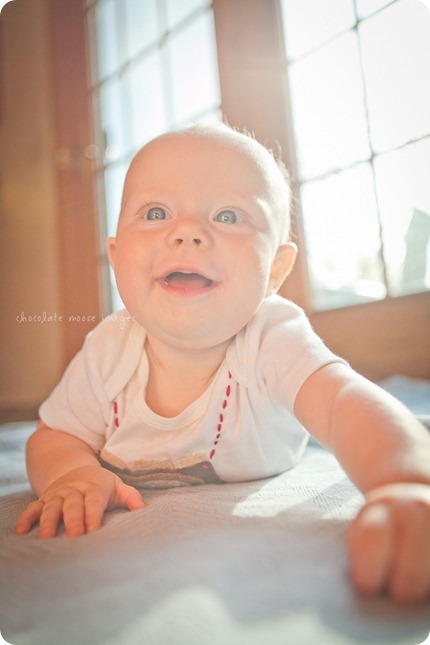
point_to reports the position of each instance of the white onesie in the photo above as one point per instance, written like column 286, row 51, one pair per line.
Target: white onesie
column 241, row 428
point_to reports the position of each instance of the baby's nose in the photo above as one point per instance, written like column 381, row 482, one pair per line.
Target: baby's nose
column 191, row 231
column 196, row 240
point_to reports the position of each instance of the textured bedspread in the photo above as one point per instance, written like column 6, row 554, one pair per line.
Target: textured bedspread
column 259, row 563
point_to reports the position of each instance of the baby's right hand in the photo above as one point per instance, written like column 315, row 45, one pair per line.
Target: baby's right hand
column 79, row 499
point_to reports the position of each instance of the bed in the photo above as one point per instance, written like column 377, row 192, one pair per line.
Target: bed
column 257, row 563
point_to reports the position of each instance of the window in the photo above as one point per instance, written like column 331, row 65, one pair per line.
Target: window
column 153, row 68
column 360, row 108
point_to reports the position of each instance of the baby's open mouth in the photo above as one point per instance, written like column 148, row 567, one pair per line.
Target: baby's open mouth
column 181, row 280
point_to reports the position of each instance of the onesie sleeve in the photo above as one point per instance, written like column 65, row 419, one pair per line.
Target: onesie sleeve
column 81, row 402
column 287, row 350
column 297, row 352
column 79, row 405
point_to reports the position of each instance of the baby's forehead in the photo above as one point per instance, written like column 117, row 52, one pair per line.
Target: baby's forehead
column 221, row 149
column 207, row 140
column 234, row 162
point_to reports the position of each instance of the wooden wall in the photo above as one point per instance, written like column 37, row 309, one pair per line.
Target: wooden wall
column 48, row 244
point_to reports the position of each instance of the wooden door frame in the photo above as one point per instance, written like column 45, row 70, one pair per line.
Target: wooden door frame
column 78, row 223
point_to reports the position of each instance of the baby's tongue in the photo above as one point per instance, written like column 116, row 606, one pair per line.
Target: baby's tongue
column 188, row 281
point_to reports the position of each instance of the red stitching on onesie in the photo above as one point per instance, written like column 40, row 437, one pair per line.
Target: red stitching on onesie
column 221, row 418
column 115, row 411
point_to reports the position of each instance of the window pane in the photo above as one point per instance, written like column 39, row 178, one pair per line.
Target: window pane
column 193, row 63
column 396, row 58
column 342, row 238
column 177, row 10
column 328, row 108
column 116, row 300
column 157, row 68
column 309, row 23
column 114, row 183
column 112, row 119
column 141, row 25
column 215, row 116
column 148, row 114
column 367, row 7
column 404, row 196
column 107, row 38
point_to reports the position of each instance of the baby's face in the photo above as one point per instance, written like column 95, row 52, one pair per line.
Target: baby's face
column 197, row 238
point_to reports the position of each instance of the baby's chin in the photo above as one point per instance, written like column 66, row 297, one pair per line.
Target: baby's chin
column 192, row 336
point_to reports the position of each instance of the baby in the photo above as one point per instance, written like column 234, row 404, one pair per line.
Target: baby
column 211, row 377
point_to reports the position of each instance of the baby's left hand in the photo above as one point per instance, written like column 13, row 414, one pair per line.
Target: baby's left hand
column 389, row 542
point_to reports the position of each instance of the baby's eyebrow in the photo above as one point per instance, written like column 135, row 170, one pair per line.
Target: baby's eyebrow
column 138, row 198
column 245, row 198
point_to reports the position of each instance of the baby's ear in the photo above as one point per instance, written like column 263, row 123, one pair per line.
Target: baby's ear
column 111, row 247
column 282, row 266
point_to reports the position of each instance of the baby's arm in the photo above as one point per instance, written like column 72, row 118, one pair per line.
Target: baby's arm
column 71, row 484
column 386, row 452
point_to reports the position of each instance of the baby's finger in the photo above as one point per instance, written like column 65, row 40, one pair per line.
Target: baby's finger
column 50, row 517
column 74, row 513
column 410, row 581
column 95, row 507
column 130, row 497
column 371, row 543
column 28, row 517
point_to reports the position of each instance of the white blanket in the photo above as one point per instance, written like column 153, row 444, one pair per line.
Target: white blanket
column 259, row 563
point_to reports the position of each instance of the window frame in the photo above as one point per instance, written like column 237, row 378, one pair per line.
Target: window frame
column 378, row 338
column 370, row 160
column 168, row 32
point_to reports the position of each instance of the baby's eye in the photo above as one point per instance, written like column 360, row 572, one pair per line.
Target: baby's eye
column 156, row 213
column 228, row 217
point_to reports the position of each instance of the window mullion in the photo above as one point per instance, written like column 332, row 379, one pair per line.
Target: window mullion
column 371, row 160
